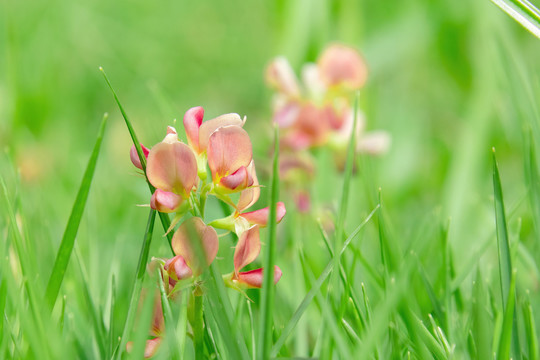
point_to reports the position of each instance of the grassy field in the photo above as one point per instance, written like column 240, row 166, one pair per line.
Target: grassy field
column 444, row 258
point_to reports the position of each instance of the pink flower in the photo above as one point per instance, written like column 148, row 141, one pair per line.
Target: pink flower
column 247, row 250
column 172, row 166
column 280, row 76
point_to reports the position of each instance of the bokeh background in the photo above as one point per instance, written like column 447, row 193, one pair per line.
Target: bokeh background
column 448, row 80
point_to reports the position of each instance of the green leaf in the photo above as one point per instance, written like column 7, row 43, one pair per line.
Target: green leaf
column 68, row 240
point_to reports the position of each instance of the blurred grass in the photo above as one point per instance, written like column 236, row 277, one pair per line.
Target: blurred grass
column 448, row 80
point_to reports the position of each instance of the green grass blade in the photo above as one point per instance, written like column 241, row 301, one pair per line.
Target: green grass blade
column 530, row 330
column 268, row 288
column 525, row 13
column 137, row 286
column 505, row 340
column 503, row 245
column 68, row 240
column 481, row 323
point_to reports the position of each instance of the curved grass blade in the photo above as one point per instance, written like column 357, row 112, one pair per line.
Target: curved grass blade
column 530, row 330
column 68, row 240
column 268, row 289
column 525, row 13
column 168, row 318
column 137, row 286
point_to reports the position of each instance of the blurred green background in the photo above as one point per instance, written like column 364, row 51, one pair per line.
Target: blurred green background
column 448, row 80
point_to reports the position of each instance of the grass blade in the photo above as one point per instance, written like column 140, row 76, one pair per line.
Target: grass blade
column 530, row 330
column 505, row 341
column 503, row 245
column 68, row 240
column 268, row 288
column 525, row 13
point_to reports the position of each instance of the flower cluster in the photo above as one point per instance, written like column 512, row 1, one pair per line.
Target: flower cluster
column 218, row 161
column 319, row 112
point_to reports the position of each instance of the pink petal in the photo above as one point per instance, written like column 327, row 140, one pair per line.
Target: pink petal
column 165, row 202
column 229, row 148
column 303, row 201
column 192, row 121
column 182, row 243
column 249, row 196
column 340, row 64
column 135, row 157
column 254, row 278
column 238, row 179
column 177, row 269
column 260, row 217
column 208, row 127
column 280, row 75
column 172, row 167
column 247, row 248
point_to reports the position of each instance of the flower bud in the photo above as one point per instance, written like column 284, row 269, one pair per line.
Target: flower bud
column 134, row 156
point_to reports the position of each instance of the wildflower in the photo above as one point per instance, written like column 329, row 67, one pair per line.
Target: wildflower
column 135, row 156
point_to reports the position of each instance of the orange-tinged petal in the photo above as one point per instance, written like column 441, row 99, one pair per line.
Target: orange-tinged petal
column 192, row 121
column 135, row 157
column 260, row 217
column 254, row 278
column 183, row 243
column 247, row 248
column 172, row 167
column 229, row 148
column 208, row 127
column 341, row 64
column 165, row 202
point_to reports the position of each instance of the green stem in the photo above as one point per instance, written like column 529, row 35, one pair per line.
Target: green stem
column 198, row 331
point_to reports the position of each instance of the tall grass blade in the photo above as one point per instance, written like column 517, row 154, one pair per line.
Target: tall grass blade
column 168, row 319
column 481, row 324
column 68, row 240
column 503, row 245
column 138, row 282
column 268, row 288
column 523, row 12
column 505, row 340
